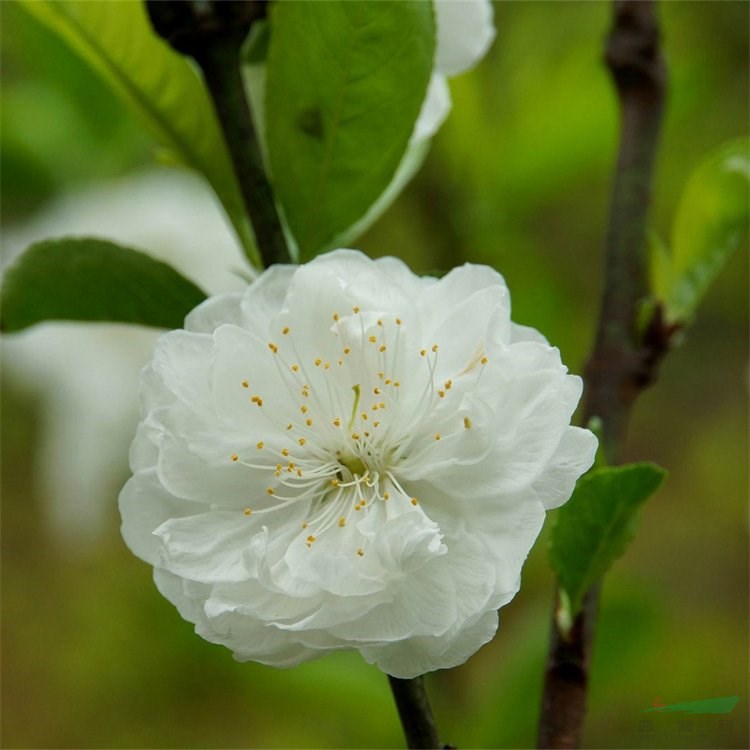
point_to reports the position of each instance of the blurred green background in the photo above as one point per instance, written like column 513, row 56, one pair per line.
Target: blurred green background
column 518, row 177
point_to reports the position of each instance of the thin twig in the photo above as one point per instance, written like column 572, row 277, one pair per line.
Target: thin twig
column 212, row 33
column 624, row 359
column 415, row 713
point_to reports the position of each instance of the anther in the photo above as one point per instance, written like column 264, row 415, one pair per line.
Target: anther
column 318, row 361
column 414, row 501
column 360, row 552
column 342, row 522
column 302, row 441
column 234, row 457
column 285, row 330
column 382, row 348
column 355, row 310
column 372, row 339
column 245, row 384
column 295, row 368
column 259, row 445
column 269, row 491
column 467, row 423
column 483, row 360
column 248, row 512
column 437, row 436
column 273, row 348
column 434, row 348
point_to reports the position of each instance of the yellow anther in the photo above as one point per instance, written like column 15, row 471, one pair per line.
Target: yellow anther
column 362, row 503
column 285, row 330
column 235, row 457
column 305, row 524
column 386, row 495
column 372, row 339
column 374, row 407
column 363, row 415
column 367, row 434
column 437, row 436
column 273, row 347
column 335, row 316
column 357, row 507
column 381, row 375
column 284, row 452
column 414, row 501
column 361, row 552
column 337, row 422
column 303, row 409
column 279, row 467
column 448, row 385
column 434, row 348
column 375, row 424
column 398, row 321
column 396, row 384
column 269, row 491
column 376, row 391
column 382, row 348
column 299, row 472
column 255, row 399
column 295, row 368
column 318, row 361
column 308, row 422
column 260, row 445
column 382, row 405
column 277, row 473
column 388, row 381
column 380, row 323
column 347, row 350
column 245, row 384
column 340, row 362
column 310, row 540
column 467, row 423
column 327, row 366
column 355, row 436
column 441, row 394
column 302, row 441
column 342, row 522
column 423, row 352
column 289, row 426
column 484, row 360
column 248, row 512
column 334, row 482
column 355, row 310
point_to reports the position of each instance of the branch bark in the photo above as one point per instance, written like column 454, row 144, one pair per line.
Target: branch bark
column 415, row 713
column 212, row 33
column 624, row 359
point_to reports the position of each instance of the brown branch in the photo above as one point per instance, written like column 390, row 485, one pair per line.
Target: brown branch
column 624, row 359
column 212, row 33
column 415, row 713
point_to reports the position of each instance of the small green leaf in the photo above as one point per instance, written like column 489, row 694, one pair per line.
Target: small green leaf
column 93, row 280
column 345, row 84
column 596, row 526
column 711, row 222
column 116, row 39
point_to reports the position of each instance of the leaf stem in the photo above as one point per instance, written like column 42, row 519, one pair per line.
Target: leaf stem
column 213, row 33
column 415, row 713
column 624, row 360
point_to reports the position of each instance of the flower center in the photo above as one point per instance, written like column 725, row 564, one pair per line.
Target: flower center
column 355, row 464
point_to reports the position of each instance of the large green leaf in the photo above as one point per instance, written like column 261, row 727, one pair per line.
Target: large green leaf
column 116, row 39
column 345, row 83
column 711, row 222
column 596, row 526
column 93, row 280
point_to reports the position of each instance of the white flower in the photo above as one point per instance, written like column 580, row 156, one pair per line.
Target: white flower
column 349, row 456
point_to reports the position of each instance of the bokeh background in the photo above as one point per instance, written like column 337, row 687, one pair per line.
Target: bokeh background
column 519, row 177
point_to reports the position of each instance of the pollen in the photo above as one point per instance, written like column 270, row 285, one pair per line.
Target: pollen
column 386, row 495
column 342, row 522
column 414, row 501
column 269, row 491
column 380, row 323
column 396, row 384
column 376, row 391
column 336, row 316
column 361, row 552
column 257, row 400
column 260, row 445
column 248, row 512
column 484, row 360
column 284, row 452
column 382, row 348
column 310, row 540
column 467, row 423
column 355, row 309
column 441, row 394
column 303, row 409
column 437, row 436
column 305, row 524
column 289, row 426
column 434, row 348
column 337, row 422
column 376, row 424
column 245, row 384
column 318, row 361
column 373, row 339
column 295, row 368
column 234, row 457
column 398, row 321
column 423, row 352
column 347, row 350
column 363, row 415
column 273, row 347
column 302, row 441
column 308, row 422
column 285, row 330
column 355, row 436
column 334, row 482
column 448, row 385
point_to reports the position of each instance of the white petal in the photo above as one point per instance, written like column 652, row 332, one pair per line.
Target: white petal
column 435, row 109
column 465, row 32
column 215, row 311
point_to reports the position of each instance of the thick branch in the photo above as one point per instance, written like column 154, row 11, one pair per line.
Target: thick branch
column 415, row 713
column 624, row 359
column 212, row 33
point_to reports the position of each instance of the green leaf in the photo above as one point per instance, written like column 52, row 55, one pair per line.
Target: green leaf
column 117, row 40
column 711, row 222
column 345, row 84
column 596, row 526
column 93, row 280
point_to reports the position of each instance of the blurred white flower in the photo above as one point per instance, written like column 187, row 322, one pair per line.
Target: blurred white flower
column 349, row 456
column 87, row 374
